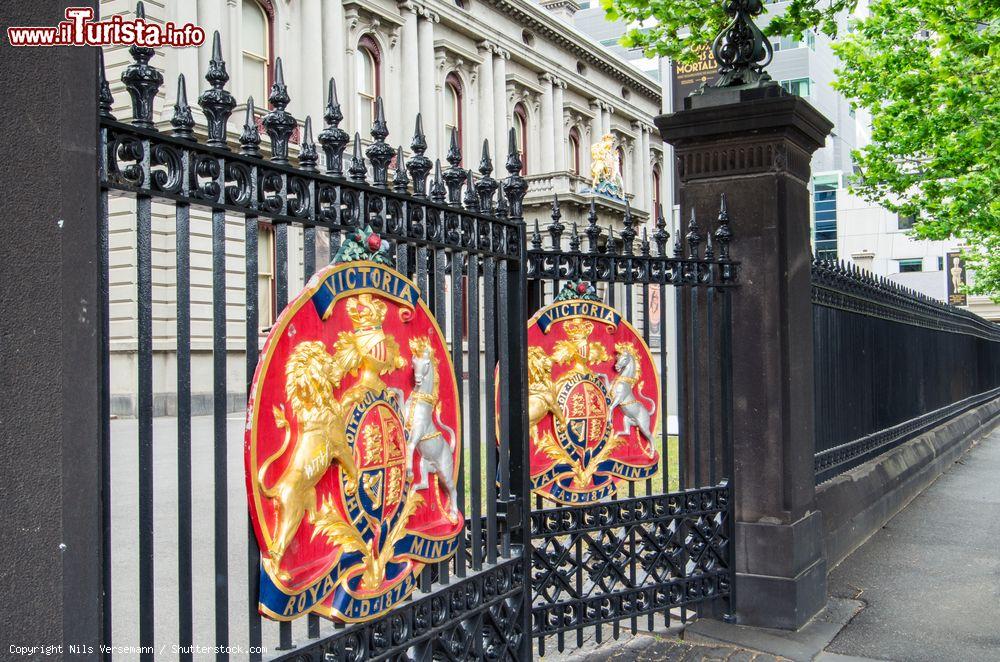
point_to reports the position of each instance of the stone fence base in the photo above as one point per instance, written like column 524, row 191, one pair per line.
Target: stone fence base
column 857, row 503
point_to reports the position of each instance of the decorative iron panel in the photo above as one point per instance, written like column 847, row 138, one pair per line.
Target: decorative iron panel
column 632, row 557
column 475, row 618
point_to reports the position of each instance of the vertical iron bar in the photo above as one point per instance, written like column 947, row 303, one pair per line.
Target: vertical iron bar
column 308, row 269
column 710, row 376
column 632, row 571
column 651, row 618
column 219, row 426
column 695, row 398
column 664, row 415
column 683, row 369
column 144, row 305
column 422, row 285
column 490, row 306
column 474, row 411
column 441, row 313
column 457, row 329
column 683, row 365
column 725, row 365
column 281, row 300
column 504, row 351
column 105, row 303
column 252, row 351
column 185, row 605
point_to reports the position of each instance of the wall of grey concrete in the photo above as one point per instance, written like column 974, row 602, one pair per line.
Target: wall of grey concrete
column 857, row 503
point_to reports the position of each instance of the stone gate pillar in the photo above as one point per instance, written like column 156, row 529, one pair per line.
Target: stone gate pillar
column 754, row 143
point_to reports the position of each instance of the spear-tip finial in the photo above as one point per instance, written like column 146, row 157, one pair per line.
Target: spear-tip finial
column 419, row 143
column 486, row 163
column 454, row 155
column 217, row 46
column 182, row 121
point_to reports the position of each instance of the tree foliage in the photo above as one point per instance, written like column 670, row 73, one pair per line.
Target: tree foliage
column 928, row 74
column 678, row 28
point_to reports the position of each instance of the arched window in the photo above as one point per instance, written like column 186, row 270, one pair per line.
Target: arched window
column 656, row 187
column 257, row 43
column 520, row 122
column 453, row 107
column 620, row 151
column 367, row 62
column 574, row 151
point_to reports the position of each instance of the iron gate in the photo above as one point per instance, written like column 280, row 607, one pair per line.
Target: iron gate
column 522, row 572
column 664, row 551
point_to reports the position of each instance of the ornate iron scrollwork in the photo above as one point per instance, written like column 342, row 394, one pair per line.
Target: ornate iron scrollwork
column 741, row 49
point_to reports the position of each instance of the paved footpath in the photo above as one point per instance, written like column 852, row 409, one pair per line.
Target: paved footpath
column 930, row 578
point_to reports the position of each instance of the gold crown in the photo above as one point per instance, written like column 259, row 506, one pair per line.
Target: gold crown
column 578, row 329
column 366, row 312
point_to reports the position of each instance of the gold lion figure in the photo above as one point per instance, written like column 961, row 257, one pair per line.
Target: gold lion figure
column 604, row 164
column 541, row 389
column 311, row 374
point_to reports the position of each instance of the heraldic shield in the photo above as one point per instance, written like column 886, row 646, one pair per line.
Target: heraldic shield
column 352, row 443
column 593, row 399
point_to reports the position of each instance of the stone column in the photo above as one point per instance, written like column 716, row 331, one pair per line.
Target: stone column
column 313, row 96
column 333, row 46
column 636, row 175
column 767, row 138
column 559, row 125
column 187, row 58
column 647, row 174
column 428, row 102
column 606, row 118
column 596, row 131
column 546, row 141
column 214, row 16
column 596, row 123
column 487, row 113
column 398, row 113
column 348, row 93
column 410, row 72
column 500, row 109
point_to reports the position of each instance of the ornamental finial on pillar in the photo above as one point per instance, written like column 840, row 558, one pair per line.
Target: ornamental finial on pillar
column 741, row 49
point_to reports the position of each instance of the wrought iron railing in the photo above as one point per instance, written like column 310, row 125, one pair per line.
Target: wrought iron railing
column 459, row 236
column 890, row 363
column 663, row 546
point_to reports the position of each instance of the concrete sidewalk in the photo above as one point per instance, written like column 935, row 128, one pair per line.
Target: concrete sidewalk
column 930, row 578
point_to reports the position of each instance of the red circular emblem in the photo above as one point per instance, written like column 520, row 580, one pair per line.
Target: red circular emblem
column 593, row 400
column 352, row 446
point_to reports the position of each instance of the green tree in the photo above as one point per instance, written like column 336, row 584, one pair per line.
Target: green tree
column 927, row 72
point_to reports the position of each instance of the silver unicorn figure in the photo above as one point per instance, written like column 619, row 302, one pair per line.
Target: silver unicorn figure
column 422, row 433
column 623, row 395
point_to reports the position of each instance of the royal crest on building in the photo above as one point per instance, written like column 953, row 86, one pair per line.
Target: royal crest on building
column 352, row 442
column 593, row 399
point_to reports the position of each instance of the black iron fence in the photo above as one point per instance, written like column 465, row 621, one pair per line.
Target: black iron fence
column 661, row 550
column 173, row 490
column 890, row 363
column 450, row 233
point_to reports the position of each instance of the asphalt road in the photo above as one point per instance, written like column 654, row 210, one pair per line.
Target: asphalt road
column 930, row 578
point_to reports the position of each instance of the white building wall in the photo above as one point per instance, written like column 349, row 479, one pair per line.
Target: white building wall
column 562, row 75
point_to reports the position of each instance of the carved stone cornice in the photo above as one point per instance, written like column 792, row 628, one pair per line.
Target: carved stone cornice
column 543, row 23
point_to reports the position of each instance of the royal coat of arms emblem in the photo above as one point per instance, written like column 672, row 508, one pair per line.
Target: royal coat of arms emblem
column 352, row 442
column 593, row 399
